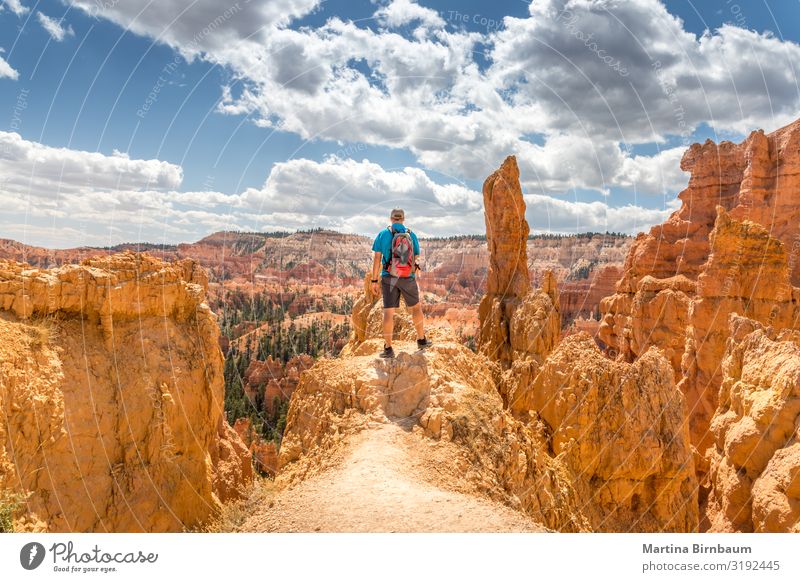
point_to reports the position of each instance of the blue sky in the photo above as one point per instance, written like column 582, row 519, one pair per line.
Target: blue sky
column 166, row 121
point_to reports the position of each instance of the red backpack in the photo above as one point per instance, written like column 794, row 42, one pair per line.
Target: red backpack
column 401, row 260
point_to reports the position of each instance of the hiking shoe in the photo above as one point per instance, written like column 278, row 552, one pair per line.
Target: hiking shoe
column 424, row 343
column 387, row 352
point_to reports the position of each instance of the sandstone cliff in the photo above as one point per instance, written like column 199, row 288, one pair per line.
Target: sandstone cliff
column 732, row 248
column 757, row 180
column 111, row 383
column 755, row 459
column 619, row 429
column 747, row 274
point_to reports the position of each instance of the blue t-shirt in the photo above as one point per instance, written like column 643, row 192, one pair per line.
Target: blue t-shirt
column 383, row 244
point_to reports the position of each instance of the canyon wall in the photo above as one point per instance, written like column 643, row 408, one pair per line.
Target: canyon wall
column 111, row 383
column 757, row 180
column 732, row 247
column 320, row 263
column 619, row 429
column 746, row 274
column 755, row 457
column 729, row 254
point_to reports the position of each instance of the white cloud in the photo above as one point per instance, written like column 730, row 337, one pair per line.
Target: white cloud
column 564, row 58
column 426, row 93
column 91, row 198
column 16, row 7
column 401, row 12
column 549, row 214
column 566, row 89
column 41, row 170
column 54, row 27
column 199, row 25
column 75, row 198
column 343, row 188
column 6, row 70
column 658, row 174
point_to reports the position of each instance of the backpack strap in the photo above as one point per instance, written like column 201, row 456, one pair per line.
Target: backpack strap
column 385, row 263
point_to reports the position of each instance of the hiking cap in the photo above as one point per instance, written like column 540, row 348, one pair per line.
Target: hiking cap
column 398, row 214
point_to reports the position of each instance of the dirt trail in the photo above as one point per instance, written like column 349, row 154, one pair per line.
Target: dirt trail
column 380, row 487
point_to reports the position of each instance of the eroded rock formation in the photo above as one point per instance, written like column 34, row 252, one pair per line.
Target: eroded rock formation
column 747, row 274
column 755, row 460
column 756, row 180
column 731, row 250
column 273, row 381
column 620, row 429
column 111, row 384
column 519, row 326
column 732, row 247
column 265, row 453
column 508, row 280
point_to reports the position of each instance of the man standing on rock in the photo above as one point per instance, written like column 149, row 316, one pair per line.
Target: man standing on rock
column 396, row 252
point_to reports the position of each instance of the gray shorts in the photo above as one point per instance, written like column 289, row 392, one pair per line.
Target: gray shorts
column 393, row 287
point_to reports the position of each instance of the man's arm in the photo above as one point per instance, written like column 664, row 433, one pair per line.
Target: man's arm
column 377, row 259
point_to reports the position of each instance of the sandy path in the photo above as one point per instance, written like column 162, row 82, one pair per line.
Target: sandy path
column 378, row 488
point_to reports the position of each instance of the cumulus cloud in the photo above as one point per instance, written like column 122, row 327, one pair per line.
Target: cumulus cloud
column 658, row 174
column 16, row 7
column 6, row 70
column 84, row 197
column 549, row 214
column 402, row 12
column 589, row 77
column 342, row 187
column 193, row 26
column 24, row 162
column 54, row 27
column 567, row 89
column 629, row 71
column 76, row 197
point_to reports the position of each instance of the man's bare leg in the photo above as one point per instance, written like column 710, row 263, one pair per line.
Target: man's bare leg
column 388, row 326
column 419, row 320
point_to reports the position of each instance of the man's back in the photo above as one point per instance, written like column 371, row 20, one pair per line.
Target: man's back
column 383, row 244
